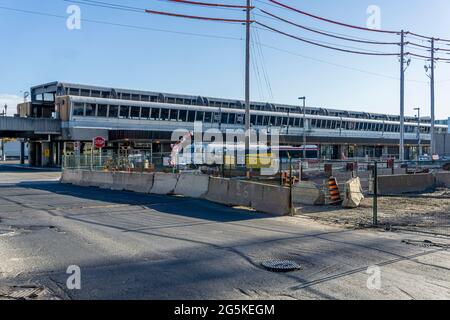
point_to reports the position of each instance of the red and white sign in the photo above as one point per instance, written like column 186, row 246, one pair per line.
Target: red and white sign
column 99, row 142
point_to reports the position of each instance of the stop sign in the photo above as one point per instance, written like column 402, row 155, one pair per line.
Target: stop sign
column 99, row 142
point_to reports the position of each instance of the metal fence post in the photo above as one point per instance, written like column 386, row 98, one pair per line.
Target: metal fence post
column 375, row 193
column 291, row 185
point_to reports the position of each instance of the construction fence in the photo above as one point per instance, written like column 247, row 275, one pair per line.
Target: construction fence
column 390, row 194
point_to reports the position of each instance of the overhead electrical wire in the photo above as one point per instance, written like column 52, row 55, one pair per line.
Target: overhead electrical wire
column 106, row 5
column 425, row 57
column 338, row 65
column 203, row 35
column 263, row 62
column 325, row 33
column 178, row 15
column 143, row 28
column 427, row 37
column 208, row 4
column 325, row 46
column 332, row 21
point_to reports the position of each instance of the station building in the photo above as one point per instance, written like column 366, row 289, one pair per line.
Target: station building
column 69, row 116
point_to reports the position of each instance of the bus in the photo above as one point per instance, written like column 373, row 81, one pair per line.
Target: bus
column 259, row 156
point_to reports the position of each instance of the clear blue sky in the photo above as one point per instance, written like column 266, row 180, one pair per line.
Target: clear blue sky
column 38, row 49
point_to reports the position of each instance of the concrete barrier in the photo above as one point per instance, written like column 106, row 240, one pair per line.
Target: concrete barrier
column 238, row 193
column 308, row 193
column 164, row 183
column 261, row 197
column 192, row 185
column 97, row 179
column 407, row 183
column 71, row 176
column 218, row 190
column 270, row 198
column 442, row 179
column 136, row 182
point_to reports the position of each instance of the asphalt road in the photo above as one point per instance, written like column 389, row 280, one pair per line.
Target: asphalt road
column 133, row 246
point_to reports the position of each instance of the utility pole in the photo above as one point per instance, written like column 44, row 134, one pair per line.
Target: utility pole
column 304, row 126
column 247, row 86
column 433, row 117
column 402, row 97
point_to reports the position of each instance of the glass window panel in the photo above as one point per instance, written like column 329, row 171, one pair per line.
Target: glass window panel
column 182, row 115
column 174, row 115
column 102, row 110
column 135, row 112
column 165, row 114
column 113, row 111
column 191, row 116
column 155, row 113
column 90, row 109
column 78, row 109
column 232, row 118
column 145, row 113
column 124, row 112
column 199, row 116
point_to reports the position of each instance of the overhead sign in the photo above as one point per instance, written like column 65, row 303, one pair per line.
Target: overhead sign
column 99, row 142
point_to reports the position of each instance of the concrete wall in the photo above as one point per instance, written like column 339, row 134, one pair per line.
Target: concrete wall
column 442, row 179
column 261, row 197
column 407, row 183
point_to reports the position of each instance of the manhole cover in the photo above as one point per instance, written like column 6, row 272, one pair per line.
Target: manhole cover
column 281, row 265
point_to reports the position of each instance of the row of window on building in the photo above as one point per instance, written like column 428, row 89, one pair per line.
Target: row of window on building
column 164, row 114
column 224, row 104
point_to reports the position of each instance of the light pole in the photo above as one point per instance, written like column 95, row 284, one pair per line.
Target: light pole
column 418, row 131
column 3, row 157
column 304, row 126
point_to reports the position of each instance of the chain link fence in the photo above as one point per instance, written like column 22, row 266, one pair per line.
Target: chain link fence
column 406, row 205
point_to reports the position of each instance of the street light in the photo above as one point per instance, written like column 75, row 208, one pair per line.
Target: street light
column 418, row 131
column 304, row 126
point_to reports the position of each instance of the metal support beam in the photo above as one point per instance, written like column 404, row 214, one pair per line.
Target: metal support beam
column 247, row 83
column 433, row 116
column 402, row 97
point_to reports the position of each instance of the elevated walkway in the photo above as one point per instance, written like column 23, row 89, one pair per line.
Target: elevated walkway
column 13, row 127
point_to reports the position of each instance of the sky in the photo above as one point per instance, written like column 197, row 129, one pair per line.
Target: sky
column 136, row 50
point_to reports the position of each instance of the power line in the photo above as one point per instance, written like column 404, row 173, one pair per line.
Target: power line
column 102, row 4
column 337, row 65
column 204, row 35
column 263, row 61
column 185, row 16
column 332, row 21
column 208, row 4
column 427, row 37
column 425, row 57
column 326, row 46
column 325, row 33
column 46, row 14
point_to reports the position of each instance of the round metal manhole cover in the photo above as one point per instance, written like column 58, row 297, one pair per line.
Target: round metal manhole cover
column 281, row 265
